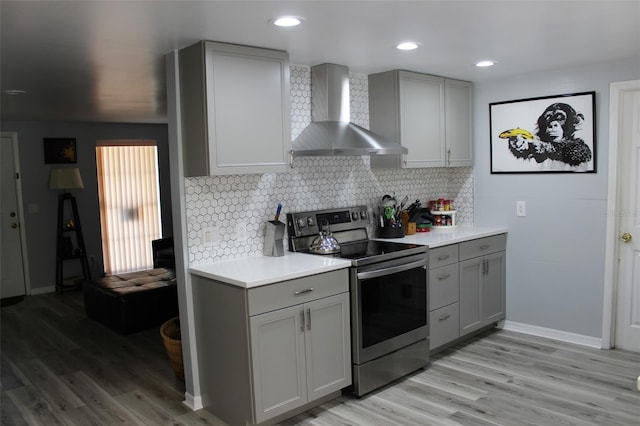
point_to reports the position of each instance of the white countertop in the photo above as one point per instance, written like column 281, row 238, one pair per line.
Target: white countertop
column 261, row 270
column 442, row 237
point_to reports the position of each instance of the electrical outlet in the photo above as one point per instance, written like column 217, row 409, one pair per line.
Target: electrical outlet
column 210, row 236
column 521, row 209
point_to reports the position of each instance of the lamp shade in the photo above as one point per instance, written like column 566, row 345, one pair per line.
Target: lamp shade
column 67, row 178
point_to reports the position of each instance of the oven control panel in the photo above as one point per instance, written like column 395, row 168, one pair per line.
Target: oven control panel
column 302, row 224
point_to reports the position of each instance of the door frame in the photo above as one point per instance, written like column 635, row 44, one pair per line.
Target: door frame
column 23, row 227
column 616, row 91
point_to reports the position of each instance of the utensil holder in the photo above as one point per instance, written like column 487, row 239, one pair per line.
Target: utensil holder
column 390, row 232
column 273, row 239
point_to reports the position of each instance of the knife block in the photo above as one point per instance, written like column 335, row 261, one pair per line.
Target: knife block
column 273, row 239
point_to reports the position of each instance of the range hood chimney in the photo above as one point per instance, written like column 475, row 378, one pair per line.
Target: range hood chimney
column 330, row 132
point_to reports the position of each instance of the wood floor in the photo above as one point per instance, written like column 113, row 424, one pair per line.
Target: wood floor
column 60, row 368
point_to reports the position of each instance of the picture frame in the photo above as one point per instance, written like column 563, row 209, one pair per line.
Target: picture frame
column 60, row 151
column 550, row 134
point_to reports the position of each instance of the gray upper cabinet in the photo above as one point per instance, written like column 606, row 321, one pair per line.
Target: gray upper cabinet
column 429, row 115
column 235, row 109
column 458, row 123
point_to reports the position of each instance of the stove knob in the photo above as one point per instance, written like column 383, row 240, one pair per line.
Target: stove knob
column 363, row 214
column 301, row 222
column 354, row 215
column 311, row 221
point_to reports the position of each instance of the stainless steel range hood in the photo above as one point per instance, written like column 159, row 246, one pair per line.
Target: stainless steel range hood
column 330, row 132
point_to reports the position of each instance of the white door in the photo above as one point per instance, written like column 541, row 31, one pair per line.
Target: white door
column 627, row 335
column 11, row 261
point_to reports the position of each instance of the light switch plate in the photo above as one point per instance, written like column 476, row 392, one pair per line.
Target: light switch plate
column 521, row 209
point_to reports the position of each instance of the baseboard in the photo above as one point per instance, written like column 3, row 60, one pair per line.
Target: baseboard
column 193, row 402
column 551, row 333
column 42, row 290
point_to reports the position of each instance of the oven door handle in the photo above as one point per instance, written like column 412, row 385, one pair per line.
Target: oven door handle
column 393, row 270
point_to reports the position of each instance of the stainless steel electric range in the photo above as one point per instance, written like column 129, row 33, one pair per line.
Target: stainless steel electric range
column 389, row 290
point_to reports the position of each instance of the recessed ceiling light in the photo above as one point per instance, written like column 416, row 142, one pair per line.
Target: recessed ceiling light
column 15, row 92
column 408, row 45
column 483, row 64
column 287, row 21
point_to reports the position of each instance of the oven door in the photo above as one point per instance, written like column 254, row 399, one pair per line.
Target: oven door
column 389, row 306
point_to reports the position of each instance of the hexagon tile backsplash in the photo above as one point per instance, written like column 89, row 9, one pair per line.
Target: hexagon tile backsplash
column 232, row 210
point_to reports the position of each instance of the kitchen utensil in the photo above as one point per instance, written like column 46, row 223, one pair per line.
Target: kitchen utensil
column 389, row 212
column 278, row 210
column 404, row 202
column 389, row 201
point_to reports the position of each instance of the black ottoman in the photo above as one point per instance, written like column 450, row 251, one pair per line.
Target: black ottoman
column 133, row 301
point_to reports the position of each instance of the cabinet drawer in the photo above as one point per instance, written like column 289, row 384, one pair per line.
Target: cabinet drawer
column 482, row 246
column 443, row 325
column 301, row 290
column 443, row 256
column 443, row 286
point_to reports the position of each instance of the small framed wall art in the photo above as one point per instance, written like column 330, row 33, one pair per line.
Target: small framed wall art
column 60, row 150
column 553, row 134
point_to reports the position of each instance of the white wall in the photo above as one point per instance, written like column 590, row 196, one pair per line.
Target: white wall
column 555, row 257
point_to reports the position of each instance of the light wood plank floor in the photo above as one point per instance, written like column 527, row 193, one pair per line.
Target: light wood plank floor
column 60, row 368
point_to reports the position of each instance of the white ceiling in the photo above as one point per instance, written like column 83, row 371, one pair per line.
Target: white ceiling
column 103, row 60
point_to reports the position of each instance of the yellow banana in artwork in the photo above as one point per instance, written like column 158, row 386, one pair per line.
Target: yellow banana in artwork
column 512, row 133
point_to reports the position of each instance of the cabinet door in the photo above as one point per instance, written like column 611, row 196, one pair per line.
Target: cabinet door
column 494, row 288
column 278, row 361
column 458, row 123
column 471, row 276
column 328, row 345
column 422, row 119
column 247, row 109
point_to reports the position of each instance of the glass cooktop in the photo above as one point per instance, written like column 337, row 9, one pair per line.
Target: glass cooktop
column 370, row 251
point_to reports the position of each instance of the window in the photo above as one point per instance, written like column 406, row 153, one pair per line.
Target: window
column 129, row 196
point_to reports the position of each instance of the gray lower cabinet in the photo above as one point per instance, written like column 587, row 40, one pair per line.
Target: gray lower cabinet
column 299, row 354
column 466, row 288
column 443, row 296
column 266, row 351
column 482, row 282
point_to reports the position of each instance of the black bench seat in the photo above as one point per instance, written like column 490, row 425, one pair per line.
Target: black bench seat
column 133, row 301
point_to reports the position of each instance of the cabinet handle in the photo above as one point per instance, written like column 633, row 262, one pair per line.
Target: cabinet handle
column 443, row 257
column 485, row 246
column 444, row 317
column 299, row 292
column 444, row 277
column 487, row 262
column 448, row 157
column 302, row 320
column 309, row 319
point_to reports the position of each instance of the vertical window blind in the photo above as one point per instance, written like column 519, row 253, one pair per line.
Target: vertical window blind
column 129, row 193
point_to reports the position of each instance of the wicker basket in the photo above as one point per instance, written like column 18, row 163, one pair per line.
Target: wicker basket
column 170, row 332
